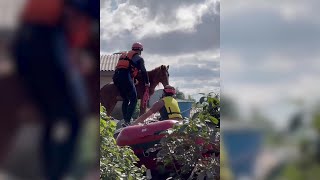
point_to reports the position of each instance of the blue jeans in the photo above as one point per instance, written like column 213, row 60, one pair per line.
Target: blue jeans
column 128, row 92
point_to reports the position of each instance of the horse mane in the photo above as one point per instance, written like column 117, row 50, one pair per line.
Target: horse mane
column 156, row 69
column 153, row 74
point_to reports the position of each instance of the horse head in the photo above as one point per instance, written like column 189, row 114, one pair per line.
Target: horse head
column 164, row 75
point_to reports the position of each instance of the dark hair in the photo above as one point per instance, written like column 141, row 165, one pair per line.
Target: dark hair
column 167, row 94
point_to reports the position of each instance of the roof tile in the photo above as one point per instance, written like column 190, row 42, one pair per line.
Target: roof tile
column 108, row 62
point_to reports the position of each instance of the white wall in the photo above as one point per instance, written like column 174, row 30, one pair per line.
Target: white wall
column 104, row 80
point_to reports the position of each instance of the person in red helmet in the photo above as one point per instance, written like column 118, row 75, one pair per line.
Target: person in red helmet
column 129, row 64
column 167, row 106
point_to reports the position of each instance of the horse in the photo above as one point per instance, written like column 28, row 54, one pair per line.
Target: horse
column 109, row 94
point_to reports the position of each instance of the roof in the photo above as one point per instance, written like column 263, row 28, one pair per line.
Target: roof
column 108, row 62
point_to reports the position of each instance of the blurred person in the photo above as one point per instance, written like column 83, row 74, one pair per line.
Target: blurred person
column 49, row 33
column 168, row 107
column 12, row 100
column 129, row 64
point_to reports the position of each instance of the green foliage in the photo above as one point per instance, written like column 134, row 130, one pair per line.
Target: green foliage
column 307, row 163
column 208, row 109
column 298, row 171
column 229, row 109
column 184, row 146
column 179, row 94
column 116, row 163
column 190, row 98
column 137, row 110
column 316, row 122
column 225, row 171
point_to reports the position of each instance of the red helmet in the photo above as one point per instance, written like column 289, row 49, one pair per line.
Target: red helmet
column 137, row 46
column 169, row 90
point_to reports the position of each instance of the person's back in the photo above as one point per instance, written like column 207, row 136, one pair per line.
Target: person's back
column 171, row 109
column 131, row 63
column 127, row 69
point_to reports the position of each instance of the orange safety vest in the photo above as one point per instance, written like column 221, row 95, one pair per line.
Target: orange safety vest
column 46, row 12
column 125, row 62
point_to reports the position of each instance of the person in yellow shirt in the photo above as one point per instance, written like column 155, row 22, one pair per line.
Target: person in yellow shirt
column 167, row 107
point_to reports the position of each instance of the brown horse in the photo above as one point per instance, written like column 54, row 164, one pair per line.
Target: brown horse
column 109, row 94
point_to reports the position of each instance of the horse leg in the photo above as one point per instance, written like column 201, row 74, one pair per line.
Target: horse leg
column 142, row 110
column 111, row 107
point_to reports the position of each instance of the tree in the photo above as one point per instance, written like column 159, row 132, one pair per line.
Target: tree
column 191, row 98
column 179, row 94
column 296, row 121
column 258, row 118
column 228, row 108
column 307, row 163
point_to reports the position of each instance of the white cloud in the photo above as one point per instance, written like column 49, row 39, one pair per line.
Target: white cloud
column 274, row 98
column 194, row 87
column 232, row 63
column 307, row 86
column 314, row 63
column 184, row 35
column 192, row 73
column 290, row 10
column 200, row 58
column 271, row 57
column 125, row 18
column 279, row 63
column 141, row 23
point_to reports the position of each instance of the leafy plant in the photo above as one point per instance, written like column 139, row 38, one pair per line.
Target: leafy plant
column 116, row 162
column 189, row 148
column 208, row 108
column 137, row 110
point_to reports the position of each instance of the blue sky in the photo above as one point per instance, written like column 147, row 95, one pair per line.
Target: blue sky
column 182, row 34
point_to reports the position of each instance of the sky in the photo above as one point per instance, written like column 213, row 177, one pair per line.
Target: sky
column 270, row 54
column 182, row 34
column 269, row 49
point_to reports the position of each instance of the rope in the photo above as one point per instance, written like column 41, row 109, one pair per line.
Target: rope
column 186, row 110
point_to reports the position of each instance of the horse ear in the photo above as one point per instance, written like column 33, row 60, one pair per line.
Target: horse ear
column 168, row 67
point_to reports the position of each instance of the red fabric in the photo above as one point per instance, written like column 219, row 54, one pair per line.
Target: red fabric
column 42, row 11
column 137, row 134
column 170, row 91
column 79, row 32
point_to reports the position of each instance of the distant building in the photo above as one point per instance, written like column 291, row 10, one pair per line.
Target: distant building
column 107, row 68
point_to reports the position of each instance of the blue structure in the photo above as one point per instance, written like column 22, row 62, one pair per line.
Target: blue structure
column 242, row 145
column 185, row 107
